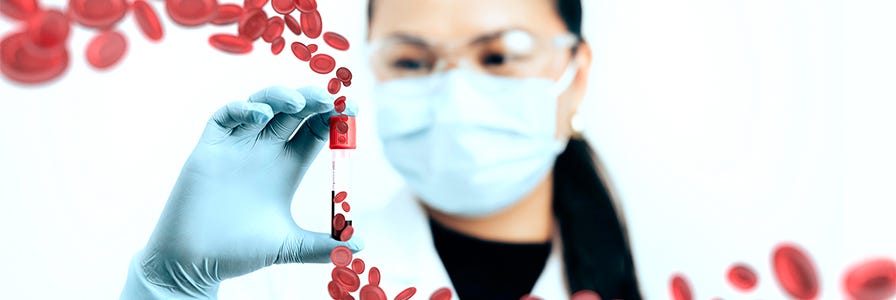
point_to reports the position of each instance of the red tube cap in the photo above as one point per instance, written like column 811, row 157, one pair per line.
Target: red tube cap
column 342, row 132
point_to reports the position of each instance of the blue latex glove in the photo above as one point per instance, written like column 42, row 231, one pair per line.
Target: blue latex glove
column 229, row 212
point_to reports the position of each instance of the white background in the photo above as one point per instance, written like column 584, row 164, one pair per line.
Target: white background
column 727, row 127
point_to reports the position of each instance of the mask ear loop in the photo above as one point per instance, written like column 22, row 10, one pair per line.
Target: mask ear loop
column 565, row 80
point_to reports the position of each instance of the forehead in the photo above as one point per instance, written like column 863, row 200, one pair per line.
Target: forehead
column 451, row 20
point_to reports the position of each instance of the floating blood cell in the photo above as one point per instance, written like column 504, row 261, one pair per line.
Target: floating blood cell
column 312, row 48
column 48, row 31
column 334, row 85
column 347, row 233
column 292, row 24
column 680, row 288
column 341, row 256
column 335, row 40
column 300, row 51
column 306, row 6
column 795, row 272
column 190, row 12
column 347, row 278
column 742, row 277
column 372, row 292
column 22, row 65
column 311, row 24
column 336, row 291
column 283, row 6
column 106, row 49
column 101, row 14
column 339, row 197
column 406, row 293
column 347, row 83
column 338, row 222
column 18, row 9
column 277, row 45
column 147, row 20
column 345, row 206
column 344, row 74
column 874, row 279
column 585, row 295
column 339, row 104
column 230, row 43
column 253, row 4
column 322, row 63
column 358, row 265
column 373, row 276
column 227, row 14
column 273, row 29
column 441, row 294
column 252, row 24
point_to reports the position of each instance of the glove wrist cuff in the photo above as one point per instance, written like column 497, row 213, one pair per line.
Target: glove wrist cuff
column 138, row 286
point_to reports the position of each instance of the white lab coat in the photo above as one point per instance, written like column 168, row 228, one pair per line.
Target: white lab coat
column 398, row 242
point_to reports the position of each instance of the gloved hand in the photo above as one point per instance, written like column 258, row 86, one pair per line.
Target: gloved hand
column 229, row 212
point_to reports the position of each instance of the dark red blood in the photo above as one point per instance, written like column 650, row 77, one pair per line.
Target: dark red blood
column 322, row 63
column 344, row 74
column 273, row 29
column 306, row 6
column 101, row 14
column 191, row 12
column 358, row 266
column 312, row 48
column 341, row 256
column 342, row 127
column 340, row 195
column 336, row 290
column 292, row 24
column 872, row 280
column 22, row 65
column 338, row 222
column 406, row 293
column 347, row 233
column 227, row 14
column 311, row 24
column 106, row 49
column 341, row 139
column 252, row 4
column 300, row 51
column 680, row 288
column 19, row 9
column 148, row 20
column 230, row 43
column 277, row 45
column 340, row 104
column 529, row 297
column 742, row 277
column 795, row 272
column 372, row 292
column 283, row 6
column 441, row 294
column 345, row 206
column 334, row 85
column 347, row 83
column 346, row 278
column 252, row 24
column 373, row 276
column 585, row 295
column 48, row 31
column 335, row 40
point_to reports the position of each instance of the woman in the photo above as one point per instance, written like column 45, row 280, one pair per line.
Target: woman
column 475, row 101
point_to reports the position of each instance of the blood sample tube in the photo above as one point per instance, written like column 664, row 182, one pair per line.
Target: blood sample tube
column 342, row 144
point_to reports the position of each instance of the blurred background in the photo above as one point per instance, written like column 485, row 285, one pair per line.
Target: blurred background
column 727, row 128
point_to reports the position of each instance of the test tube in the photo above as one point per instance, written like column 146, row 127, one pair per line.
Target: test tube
column 342, row 144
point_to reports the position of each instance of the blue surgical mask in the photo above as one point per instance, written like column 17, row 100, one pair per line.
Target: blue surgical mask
column 467, row 143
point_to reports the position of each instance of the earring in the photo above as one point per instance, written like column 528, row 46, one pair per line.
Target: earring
column 577, row 123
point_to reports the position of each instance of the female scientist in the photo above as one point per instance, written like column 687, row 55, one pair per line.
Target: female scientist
column 475, row 101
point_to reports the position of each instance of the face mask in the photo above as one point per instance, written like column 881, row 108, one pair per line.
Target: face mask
column 470, row 144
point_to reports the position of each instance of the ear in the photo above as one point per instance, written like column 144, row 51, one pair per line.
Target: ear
column 571, row 99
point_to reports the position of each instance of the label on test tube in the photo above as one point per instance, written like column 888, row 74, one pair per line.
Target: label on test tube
column 342, row 132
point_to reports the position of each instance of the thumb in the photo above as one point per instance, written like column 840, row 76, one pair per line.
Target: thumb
column 312, row 247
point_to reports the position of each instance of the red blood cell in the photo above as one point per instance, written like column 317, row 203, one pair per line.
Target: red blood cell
column 48, row 31
column 336, row 290
column 312, row 48
column 347, row 83
column 529, row 297
column 585, row 295
column 874, row 279
column 148, row 20
column 335, row 40
column 341, row 256
column 230, row 43
column 252, row 24
column 406, row 293
column 300, row 51
column 346, row 233
column 22, row 65
column 18, row 9
column 190, row 12
column 345, row 206
column 101, row 14
column 273, row 29
column 358, row 265
column 253, row 4
column 334, row 85
column 344, row 74
column 277, row 45
column 306, row 6
column 340, row 104
column 106, row 49
column 283, row 6
column 795, row 272
column 342, row 127
column 372, row 292
column 742, row 277
column 311, row 24
column 441, row 294
column 322, row 63
column 340, row 196
column 292, row 24
column 346, row 278
column 373, row 276
column 338, row 222
column 680, row 288
column 227, row 14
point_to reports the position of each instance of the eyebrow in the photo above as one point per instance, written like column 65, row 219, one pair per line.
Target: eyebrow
column 413, row 39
